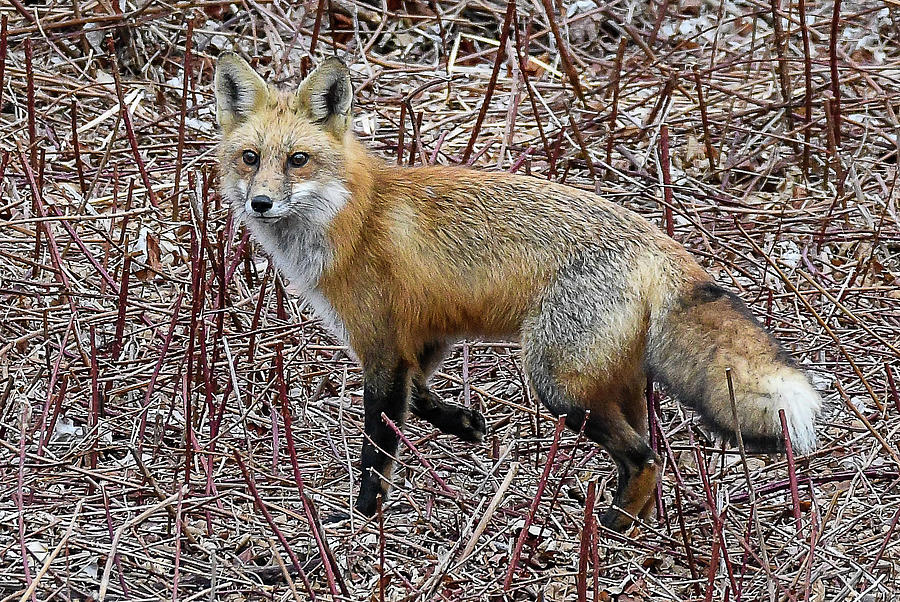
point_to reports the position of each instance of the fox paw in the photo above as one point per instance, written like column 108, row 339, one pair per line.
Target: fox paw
column 472, row 426
column 616, row 520
column 335, row 517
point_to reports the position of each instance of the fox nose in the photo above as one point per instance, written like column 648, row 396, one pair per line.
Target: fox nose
column 261, row 203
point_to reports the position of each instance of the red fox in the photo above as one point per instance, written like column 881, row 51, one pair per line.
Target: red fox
column 402, row 262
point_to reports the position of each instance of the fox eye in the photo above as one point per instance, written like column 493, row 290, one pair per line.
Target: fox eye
column 250, row 157
column 298, row 159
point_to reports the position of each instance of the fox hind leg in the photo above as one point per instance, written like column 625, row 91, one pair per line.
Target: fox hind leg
column 449, row 418
column 616, row 430
column 635, row 410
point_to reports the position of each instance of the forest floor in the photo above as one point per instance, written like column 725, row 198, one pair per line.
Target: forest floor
column 149, row 354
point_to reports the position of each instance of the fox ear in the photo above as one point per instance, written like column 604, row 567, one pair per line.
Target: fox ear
column 239, row 90
column 326, row 96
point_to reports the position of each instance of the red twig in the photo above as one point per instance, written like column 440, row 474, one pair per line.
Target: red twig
column 843, row 475
column 158, row 368
column 781, row 64
column 73, row 234
column 563, row 51
column 382, row 580
column 667, row 178
column 521, row 160
column 221, row 298
column 832, row 133
column 679, row 486
column 316, row 26
column 521, row 53
column 501, row 53
column 614, row 110
column 792, row 471
column 53, row 376
column 555, row 151
column 658, row 23
column 665, row 95
column 718, row 519
column 129, row 128
column 887, row 539
column 177, row 561
column 595, row 558
column 421, row 458
column 713, row 565
column 123, row 306
column 198, row 272
column 542, row 484
column 55, row 255
column 579, row 138
column 23, row 10
column 3, row 36
column 251, row 484
column 29, row 81
column 47, row 431
column 566, row 470
column 238, row 256
column 328, row 561
column 188, row 409
column 585, row 550
column 179, row 156
column 401, row 133
column 807, row 96
column 813, row 539
column 94, row 408
column 111, row 531
column 833, row 66
column 655, row 436
column 76, row 146
column 254, row 323
column 892, row 385
column 704, row 120
column 416, row 121
column 437, row 147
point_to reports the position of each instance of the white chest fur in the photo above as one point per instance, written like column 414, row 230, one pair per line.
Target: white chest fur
column 300, row 248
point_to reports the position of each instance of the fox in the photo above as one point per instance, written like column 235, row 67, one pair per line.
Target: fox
column 403, row 262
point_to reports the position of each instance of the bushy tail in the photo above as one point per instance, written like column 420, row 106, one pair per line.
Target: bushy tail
column 706, row 330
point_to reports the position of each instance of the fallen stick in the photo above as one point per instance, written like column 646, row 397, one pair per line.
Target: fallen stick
column 104, row 581
column 53, row 554
column 489, row 512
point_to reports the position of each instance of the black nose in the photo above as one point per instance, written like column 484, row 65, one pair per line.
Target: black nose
column 261, row 203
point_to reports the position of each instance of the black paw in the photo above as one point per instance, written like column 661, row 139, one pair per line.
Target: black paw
column 471, row 425
column 616, row 520
column 335, row 517
column 369, row 493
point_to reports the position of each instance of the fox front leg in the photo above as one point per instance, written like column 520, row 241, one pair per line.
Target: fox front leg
column 449, row 418
column 386, row 390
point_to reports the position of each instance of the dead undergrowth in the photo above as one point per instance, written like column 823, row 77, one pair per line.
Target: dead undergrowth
column 145, row 344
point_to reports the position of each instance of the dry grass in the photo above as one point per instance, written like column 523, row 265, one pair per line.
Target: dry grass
column 136, row 321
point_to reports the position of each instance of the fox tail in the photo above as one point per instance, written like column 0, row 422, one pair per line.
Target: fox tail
column 707, row 330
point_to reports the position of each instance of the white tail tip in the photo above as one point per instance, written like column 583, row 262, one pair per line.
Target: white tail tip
column 801, row 403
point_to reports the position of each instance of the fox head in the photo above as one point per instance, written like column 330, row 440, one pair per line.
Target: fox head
column 282, row 152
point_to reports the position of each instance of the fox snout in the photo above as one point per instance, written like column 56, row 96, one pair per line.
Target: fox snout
column 259, row 202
